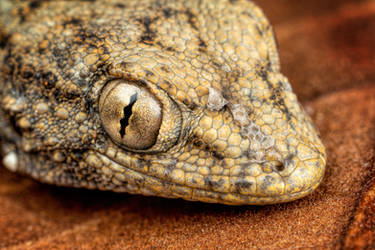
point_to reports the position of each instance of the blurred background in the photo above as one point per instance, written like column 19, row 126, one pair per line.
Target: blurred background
column 324, row 41
column 327, row 50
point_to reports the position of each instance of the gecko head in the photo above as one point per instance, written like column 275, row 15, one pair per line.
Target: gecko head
column 156, row 102
column 233, row 140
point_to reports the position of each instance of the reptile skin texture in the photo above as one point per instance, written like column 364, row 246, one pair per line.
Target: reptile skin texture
column 179, row 99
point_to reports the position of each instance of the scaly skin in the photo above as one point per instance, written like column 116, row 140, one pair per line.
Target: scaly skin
column 229, row 129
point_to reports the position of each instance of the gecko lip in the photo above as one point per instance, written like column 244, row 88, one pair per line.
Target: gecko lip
column 266, row 189
column 270, row 188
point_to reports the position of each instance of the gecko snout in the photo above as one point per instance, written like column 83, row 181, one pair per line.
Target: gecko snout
column 304, row 171
column 290, row 178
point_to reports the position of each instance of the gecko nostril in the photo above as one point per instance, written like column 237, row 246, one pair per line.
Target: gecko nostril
column 280, row 167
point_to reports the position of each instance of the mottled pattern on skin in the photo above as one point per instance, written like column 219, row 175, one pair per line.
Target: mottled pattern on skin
column 232, row 130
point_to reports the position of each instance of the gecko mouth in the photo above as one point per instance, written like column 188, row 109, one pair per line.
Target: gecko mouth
column 298, row 184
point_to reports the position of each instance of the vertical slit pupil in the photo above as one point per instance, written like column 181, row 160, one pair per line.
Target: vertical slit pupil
column 127, row 113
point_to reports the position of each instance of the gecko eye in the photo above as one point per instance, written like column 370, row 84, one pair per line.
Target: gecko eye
column 130, row 114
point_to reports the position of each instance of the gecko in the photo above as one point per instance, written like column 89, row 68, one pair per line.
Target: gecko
column 177, row 99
